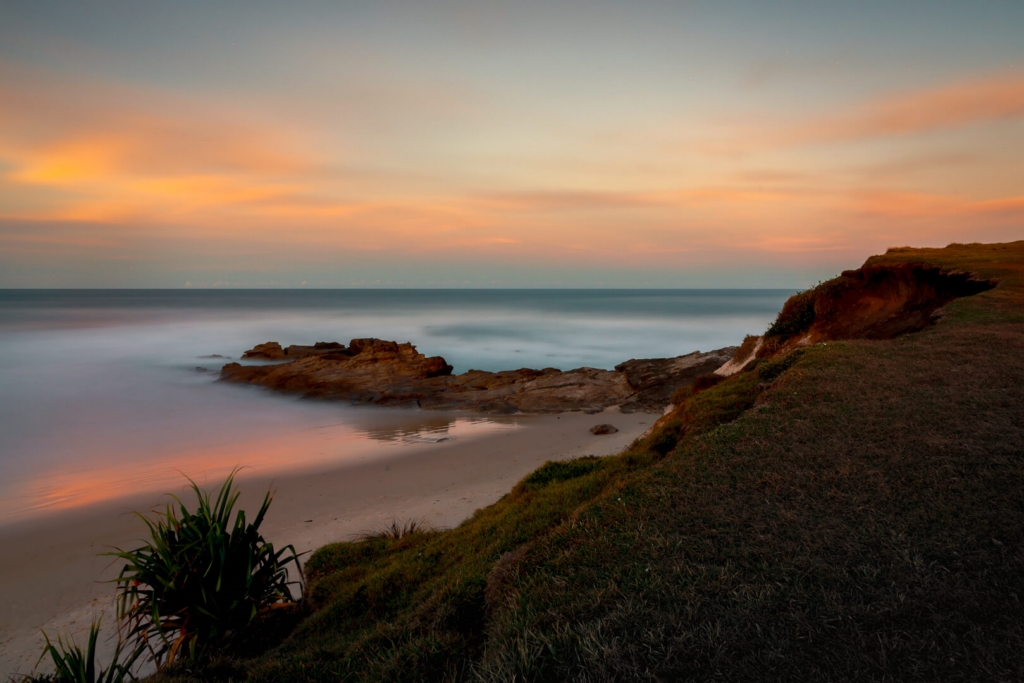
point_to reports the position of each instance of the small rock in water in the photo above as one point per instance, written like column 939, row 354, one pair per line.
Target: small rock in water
column 201, row 369
column 603, row 429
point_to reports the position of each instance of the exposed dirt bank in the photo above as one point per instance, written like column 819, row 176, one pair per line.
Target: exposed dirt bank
column 872, row 302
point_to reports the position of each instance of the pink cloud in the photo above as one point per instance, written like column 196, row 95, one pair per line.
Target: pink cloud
column 960, row 104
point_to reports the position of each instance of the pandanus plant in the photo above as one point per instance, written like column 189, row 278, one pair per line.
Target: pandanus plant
column 74, row 665
column 201, row 578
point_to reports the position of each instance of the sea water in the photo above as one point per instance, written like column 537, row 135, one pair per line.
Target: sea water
column 109, row 392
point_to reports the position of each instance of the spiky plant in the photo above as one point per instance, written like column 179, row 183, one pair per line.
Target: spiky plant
column 75, row 666
column 201, row 577
column 396, row 530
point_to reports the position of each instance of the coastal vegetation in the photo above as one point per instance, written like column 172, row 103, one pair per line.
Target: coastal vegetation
column 201, row 578
column 846, row 507
column 201, row 581
column 72, row 664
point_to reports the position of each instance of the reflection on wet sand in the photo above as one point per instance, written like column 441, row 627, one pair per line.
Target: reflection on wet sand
column 419, row 427
column 364, row 435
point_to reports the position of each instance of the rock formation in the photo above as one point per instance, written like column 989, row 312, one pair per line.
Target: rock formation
column 602, row 429
column 273, row 351
column 655, row 379
column 388, row 373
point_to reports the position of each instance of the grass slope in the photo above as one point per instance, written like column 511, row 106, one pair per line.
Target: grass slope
column 853, row 511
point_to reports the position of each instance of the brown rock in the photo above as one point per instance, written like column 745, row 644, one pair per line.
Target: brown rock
column 656, row 379
column 273, row 351
column 268, row 351
column 388, row 373
column 598, row 430
column 533, row 391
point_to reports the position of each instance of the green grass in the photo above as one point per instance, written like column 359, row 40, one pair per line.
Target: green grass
column 386, row 607
column 864, row 523
column 851, row 511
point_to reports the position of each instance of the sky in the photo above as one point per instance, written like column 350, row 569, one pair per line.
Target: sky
column 500, row 144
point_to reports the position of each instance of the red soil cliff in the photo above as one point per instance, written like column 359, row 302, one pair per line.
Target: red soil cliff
column 873, row 302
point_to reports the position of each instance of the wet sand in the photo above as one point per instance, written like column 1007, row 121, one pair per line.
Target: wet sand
column 53, row 579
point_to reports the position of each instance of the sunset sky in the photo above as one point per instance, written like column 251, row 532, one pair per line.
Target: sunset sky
column 515, row 144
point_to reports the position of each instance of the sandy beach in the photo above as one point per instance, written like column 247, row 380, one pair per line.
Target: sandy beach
column 53, row 577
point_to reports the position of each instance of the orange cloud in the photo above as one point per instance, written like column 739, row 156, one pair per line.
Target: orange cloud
column 727, row 194
column 137, row 171
column 982, row 100
column 44, row 117
column 68, row 162
column 12, row 242
column 112, row 154
column 907, row 204
column 565, row 200
column 104, row 153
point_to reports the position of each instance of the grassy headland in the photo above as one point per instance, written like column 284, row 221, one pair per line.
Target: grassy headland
column 848, row 510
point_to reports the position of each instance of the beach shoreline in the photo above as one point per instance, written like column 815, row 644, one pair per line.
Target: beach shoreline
column 55, row 579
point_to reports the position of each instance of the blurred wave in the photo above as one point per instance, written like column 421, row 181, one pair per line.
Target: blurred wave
column 107, row 392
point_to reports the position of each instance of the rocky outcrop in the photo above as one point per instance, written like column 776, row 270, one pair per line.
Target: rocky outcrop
column 655, row 379
column 388, row 373
column 533, row 391
column 273, row 351
column 368, row 370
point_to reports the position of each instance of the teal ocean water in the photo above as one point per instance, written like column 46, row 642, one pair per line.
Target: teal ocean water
column 104, row 392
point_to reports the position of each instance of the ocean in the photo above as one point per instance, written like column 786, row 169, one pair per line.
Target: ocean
column 105, row 393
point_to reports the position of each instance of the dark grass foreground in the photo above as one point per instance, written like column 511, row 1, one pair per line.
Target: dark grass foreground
column 853, row 511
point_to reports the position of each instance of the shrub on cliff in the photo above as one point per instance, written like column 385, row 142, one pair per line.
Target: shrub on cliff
column 701, row 383
column 796, row 315
column 201, row 578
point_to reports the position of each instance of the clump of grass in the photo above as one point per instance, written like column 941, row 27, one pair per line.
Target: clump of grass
column 700, row 384
column 746, row 348
column 562, row 470
column 396, row 530
column 769, row 371
column 706, row 382
column 663, row 443
column 201, row 578
column 73, row 665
